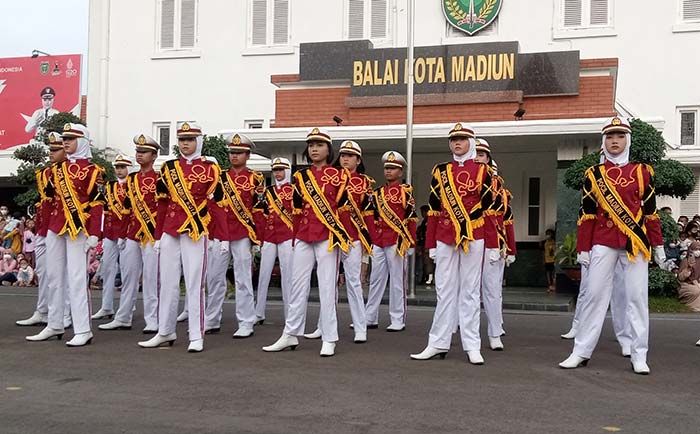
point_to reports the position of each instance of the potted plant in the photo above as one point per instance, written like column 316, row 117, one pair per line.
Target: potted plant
column 566, row 257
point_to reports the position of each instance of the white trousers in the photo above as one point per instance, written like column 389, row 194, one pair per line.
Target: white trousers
column 139, row 263
column 268, row 253
column 177, row 252
column 387, row 265
column 352, row 269
column 217, row 265
column 62, row 251
column 304, row 258
column 108, row 270
column 42, row 301
column 492, row 295
column 457, row 285
column 634, row 278
column 617, row 307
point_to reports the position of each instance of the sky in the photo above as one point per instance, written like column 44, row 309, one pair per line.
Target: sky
column 53, row 26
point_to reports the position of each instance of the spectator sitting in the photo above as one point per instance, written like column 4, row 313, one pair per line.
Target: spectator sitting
column 11, row 233
column 683, row 244
column 8, row 269
column 683, row 220
column 29, row 242
column 25, row 274
column 688, row 275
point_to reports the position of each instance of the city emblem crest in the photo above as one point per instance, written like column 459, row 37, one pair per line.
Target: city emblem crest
column 471, row 16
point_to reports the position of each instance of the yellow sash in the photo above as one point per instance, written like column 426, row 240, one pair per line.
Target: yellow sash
column 73, row 209
column 396, row 223
column 197, row 215
column 143, row 214
column 278, row 206
column 235, row 203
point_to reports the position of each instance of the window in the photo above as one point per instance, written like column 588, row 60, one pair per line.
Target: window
column 690, row 11
column 533, row 207
column 452, row 32
column 368, row 19
column 162, row 136
column 584, row 18
column 253, row 124
column 177, row 25
column 269, row 23
column 688, row 126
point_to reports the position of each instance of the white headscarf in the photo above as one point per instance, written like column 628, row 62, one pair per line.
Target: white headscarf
column 83, row 150
column 198, row 150
column 469, row 155
column 623, row 158
column 287, row 178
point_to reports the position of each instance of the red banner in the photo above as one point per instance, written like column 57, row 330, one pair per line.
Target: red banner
column 31, row 90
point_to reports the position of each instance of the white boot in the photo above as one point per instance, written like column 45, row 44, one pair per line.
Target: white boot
column 35, row 319
column 285, row 341
column 697, row 343
column 243, row 332
column 495, row 343
column 102, row 314
column 360, row 337
column 475, row 357
column 573, row 362
column 327, row 349
column 196, row 346
column 159, row 340
column 640, row 367
column 429, row 353
column 571, row 334
column 429, row 281
column 46, row 334
column 315, row 335
column 626, row 352
column 396, row 328
column 184, row 315
column 115, row 325
column 80, row 340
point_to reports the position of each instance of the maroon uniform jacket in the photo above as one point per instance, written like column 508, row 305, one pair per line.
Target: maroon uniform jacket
column 358, row 199
column 116, row 220
column 504, row 216
column 247, row 184
column 470, row 183
column 399, row 198
column 141, row 194
column 277, row 210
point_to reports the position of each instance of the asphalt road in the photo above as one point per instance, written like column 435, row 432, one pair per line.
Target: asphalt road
column 113, row 386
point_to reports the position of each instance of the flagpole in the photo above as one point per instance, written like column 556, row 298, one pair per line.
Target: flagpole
column 409, row 135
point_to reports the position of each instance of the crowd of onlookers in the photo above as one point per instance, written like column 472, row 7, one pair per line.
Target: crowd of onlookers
column 17, row 245
column 685, row 256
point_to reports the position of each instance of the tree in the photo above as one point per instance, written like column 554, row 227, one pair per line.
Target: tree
column 213, row 146
column 672, row 177
column 34, row 157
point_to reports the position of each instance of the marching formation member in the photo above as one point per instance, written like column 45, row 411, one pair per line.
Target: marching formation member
column 181, row 236
column 319, row 236
column 44, row 208
column 492, row 271
column 138, row 258
column 355, row 216
column 74, row 227
column 461, row 225
column 237, row 193
column 618, row 226
column 393, row 228
column 114, row 234
column 277, row 235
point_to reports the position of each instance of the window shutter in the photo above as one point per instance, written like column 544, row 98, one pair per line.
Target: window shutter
column 689, row 206
column 356, row 19
column 259, row 30
column 691, row 10
column 573, row 13
column 379, row 19
column 599, row 12
column 688, row 128
column 167, row 24
column 187, row 23
column 281, row 23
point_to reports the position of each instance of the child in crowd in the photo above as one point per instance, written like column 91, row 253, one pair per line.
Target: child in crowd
column 549, row 246
column 25, row 274
column 29, row 242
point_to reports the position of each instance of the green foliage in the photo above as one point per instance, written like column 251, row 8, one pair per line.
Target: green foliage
column 32, row 157
column 566, row 253
column 648, row 145
column 57, row 121
column 98, row 157
column 574, row 175
column 214, row 146
column 662, row 283
column 673, row 178
column 669, row 227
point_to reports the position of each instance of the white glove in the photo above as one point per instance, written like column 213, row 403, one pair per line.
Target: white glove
column 411, row 251
column 494, row 255
column 509, row 260
column 121, row 243
column 90, row 243
column 432, row 253
column 156, row 246
column 255, row 249
column 584, row 258
column 224, row 248
column 660, row 256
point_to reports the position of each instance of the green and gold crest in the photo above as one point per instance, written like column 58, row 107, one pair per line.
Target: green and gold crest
column 471, row 16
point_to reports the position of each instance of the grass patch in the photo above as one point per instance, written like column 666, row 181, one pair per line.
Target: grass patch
column 659, row 304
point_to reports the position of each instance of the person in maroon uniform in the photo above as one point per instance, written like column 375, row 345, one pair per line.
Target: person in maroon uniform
column 618, row 231
column 393, row 229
